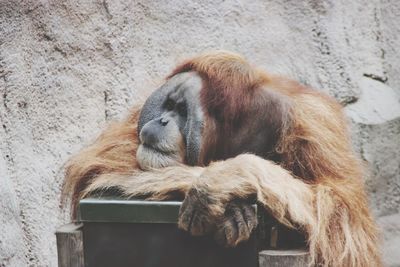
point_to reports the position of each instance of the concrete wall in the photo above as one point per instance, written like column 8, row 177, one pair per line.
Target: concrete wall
column 68, row 67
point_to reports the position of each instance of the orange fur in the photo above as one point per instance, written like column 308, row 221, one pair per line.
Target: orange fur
column 317, row 186
column 114, row 152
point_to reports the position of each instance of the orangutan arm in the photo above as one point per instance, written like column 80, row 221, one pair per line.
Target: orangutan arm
column 210, row 190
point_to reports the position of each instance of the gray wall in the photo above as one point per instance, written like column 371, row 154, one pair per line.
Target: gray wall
column 68, row 67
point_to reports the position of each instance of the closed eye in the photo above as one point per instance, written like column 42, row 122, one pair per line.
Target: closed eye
column 169, row 104
column 181, row 108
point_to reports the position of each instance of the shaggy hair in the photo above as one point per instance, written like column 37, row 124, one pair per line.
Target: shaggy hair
column 315, row 183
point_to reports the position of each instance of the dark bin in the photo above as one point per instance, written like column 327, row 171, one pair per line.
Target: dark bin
column 129, row 233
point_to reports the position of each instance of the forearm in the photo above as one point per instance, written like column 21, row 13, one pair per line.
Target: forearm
column 289, row 199
column 155, row 184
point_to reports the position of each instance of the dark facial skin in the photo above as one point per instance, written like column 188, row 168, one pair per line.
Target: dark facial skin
column 171, row 123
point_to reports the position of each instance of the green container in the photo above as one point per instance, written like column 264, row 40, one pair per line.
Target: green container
column 129, row 233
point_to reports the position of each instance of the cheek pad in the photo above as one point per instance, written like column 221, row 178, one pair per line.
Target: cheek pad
column 193, row 140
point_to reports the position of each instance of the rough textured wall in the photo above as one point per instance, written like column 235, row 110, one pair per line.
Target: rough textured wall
column 68, row 67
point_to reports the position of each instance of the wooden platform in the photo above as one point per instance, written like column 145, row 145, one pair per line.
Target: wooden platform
column 129, row 233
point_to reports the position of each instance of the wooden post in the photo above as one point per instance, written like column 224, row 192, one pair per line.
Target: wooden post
column 70, row 245
column 282, row 258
